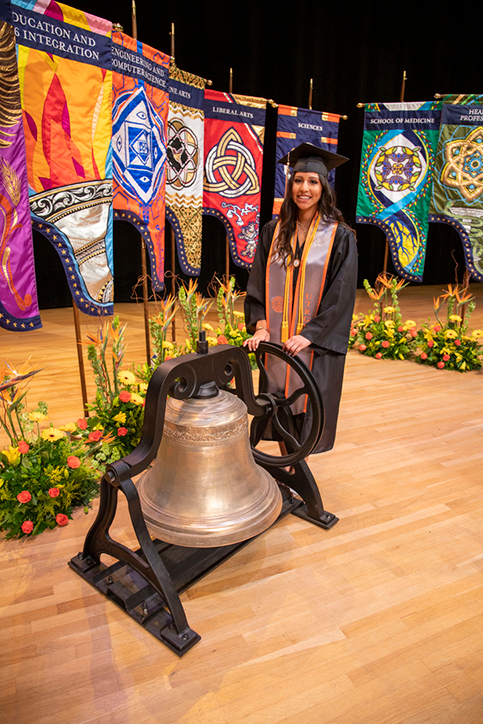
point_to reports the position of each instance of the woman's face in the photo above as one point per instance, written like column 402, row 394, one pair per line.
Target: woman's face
column 306, row 190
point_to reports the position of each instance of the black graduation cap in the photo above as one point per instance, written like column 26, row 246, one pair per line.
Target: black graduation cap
column 308, row 157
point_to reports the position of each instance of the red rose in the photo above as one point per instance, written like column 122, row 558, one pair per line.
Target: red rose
column 400, row 329
column 54, row 492
column 446, row 357
column 379, row 355
column 440, row 365
column 377, row 318
column 369, row 335
column 430, row 343
column 82, row 423
column 385, row 344
column 221, row 339
column 353, row 332
column 23, row 447
column 125, row 396
column 121, row 431
column 73, row 461
column 437, row 328
column 95, row 436
column 24, row 497
column 61, row 519
column 413, row 333
column 240, row 326
column 457, row 343
column 362, row 348
column 424, row 355
column 27, row 526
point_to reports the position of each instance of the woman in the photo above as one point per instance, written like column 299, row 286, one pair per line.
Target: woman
column 301, row 289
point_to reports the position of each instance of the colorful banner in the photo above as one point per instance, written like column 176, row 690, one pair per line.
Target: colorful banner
column 296, row 126
column 457, row 197
column 397, row 164
column 64, row 58
column 184, row 170
column 139, row 118
column 19, row 309
column 234, row 133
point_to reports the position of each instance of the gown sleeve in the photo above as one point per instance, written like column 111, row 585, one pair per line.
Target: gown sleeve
column 330, row 328
column 255, row 298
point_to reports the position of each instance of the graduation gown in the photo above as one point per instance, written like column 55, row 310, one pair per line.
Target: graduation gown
column 328, row 331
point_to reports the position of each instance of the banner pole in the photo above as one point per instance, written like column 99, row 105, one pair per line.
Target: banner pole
column 144, row 265
column 80, row 357
column 227, row 241
column 311, row 88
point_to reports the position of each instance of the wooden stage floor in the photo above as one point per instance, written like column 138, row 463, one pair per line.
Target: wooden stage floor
column 378, row 620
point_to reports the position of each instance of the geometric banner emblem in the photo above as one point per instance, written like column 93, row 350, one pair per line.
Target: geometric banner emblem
column 231, row 174
column 138, row 145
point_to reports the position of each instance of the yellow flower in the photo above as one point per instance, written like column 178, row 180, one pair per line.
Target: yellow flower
column 410, row 324
column 389, row 310
column 208, row 326
column 52, row 433
column 212, row 341
column 238, row 314
column 12, row 454
column 1, row 482
column 476, row 333
column 120, row 417
column 142, row 387
column 70, row 427
column 455, row 318
column 37, row 416
column 126, row 378
column 450, row 334
column 389, row 322
column 167, row 345
column 137, row 399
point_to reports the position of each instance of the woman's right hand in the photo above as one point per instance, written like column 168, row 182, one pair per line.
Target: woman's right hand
column 261, row 335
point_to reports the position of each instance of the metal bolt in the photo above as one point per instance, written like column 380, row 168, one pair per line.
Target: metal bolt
column 171, row 626
column 80, row 555
column 110, row 580
column 145, row 609
column 185, row 637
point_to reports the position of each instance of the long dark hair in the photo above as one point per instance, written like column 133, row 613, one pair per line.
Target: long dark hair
column 289, row 213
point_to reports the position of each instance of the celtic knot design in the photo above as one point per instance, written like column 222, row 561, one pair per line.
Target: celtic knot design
column 464, row 165
column 230, row 168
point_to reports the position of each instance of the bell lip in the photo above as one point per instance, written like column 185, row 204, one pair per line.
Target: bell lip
column 204, row 534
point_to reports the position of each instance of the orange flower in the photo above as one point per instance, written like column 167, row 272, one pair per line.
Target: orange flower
column 24, row 497
column 27, row 527
column 23, row 447
column 73, row 461
column 61, row 519
column 54, row 492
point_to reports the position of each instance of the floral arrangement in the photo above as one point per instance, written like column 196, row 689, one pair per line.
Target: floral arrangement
column 448, row 344
column 118, row 409
column 44, row 473
column 382, row 333
column 194, row 308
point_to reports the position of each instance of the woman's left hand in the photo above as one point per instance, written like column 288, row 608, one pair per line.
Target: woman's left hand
column 295, row 344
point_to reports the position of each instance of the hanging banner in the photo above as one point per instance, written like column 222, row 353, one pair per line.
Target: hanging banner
column 64, row 59
column 296, row 126
column 457, row 196
column 19, row 309
column 234, row 134
column 398, row 149
column 139, row 118
column 184, row 170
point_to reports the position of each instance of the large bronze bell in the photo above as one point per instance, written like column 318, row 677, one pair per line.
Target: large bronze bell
column 205, row 488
